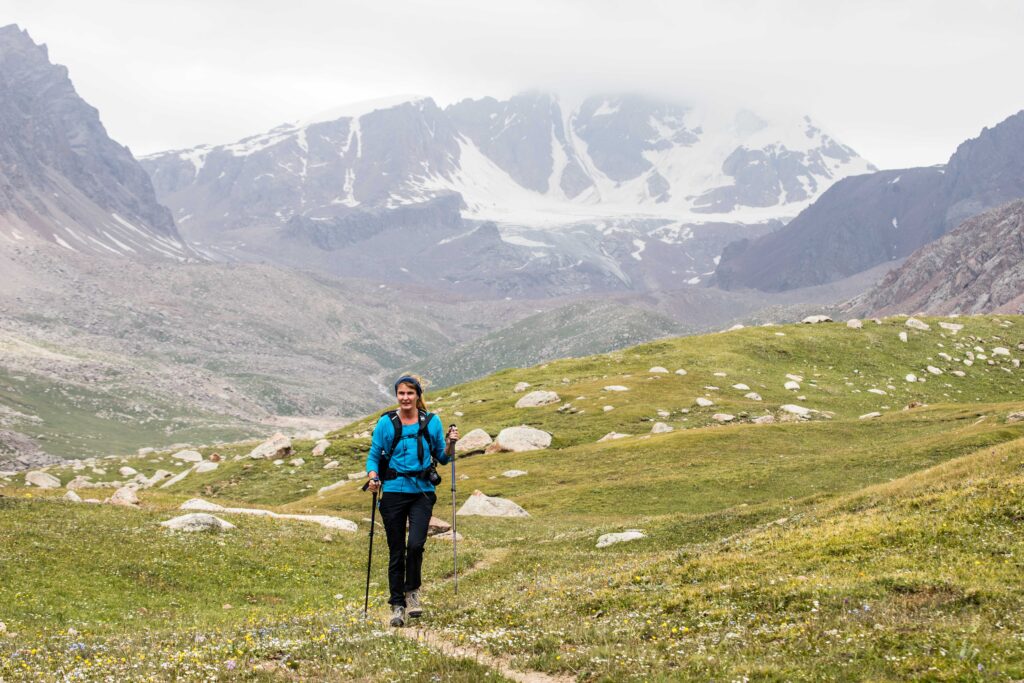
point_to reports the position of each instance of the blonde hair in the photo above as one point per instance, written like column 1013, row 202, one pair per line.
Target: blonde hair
column 420, row 405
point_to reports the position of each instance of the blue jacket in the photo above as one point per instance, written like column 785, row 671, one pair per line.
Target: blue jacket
column 406, row 455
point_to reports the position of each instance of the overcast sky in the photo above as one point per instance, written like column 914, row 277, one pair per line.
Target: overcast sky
column 901, row 82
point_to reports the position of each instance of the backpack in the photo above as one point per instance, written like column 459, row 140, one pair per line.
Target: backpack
column 384, row 470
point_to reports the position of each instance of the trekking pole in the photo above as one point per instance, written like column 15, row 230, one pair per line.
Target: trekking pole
column 455, row 543
column 369, row 559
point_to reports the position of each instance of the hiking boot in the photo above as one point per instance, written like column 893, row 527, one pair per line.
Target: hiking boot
column 397, row 616
column 412, row 603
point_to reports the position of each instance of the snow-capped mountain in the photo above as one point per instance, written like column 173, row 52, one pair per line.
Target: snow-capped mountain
column 532, row 160
column 608, row 192
column 62, row 179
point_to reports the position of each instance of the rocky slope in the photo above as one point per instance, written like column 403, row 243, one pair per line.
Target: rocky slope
column 867, row 220
column 62, row 179
column 976, row 268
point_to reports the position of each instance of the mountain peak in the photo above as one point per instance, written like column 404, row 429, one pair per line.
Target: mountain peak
column 358, row 109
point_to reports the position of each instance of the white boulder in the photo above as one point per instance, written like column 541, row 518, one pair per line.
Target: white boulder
column 320, row 447
column 72, row 497
column 276, row 446
column 1000, row 351
column 661, row 428
column 43, row 480
column 612, row 436
column 915, row 324
column 606, row 540
column 740, row 386
column 753, row 396
column 205, row 466
column 792, row 386
column 658, row 370
column 197, row 521
column 796, row 410
column 854, row 324
column 815, row 319
column 521, row 439
column 535, row 399
column 680, row 372
column 127, row 471
column 521, row 387
column 934, row 370
column 870, row 416
column 704, row 402
column 124, row 496
column 952, row 327
column 188, row 456
column 903, row 336
column 723, row 417
column 475, row 441
column 911, row 377
column 487, row 506
column 616, row 387
column 511, row 474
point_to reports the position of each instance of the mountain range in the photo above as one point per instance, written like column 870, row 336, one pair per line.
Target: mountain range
column 871, row 219
column 531, row 196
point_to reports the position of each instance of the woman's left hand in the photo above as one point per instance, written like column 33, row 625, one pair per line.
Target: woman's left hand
column 453, row 434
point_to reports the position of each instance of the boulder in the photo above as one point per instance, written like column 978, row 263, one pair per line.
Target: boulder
column 145, row 451
column 1000, row 351
column 476, row 441
column 606, row 540
column 680, row 372
column 332, row 465
column 188, row 456
column 488, row 506
column 205, row 466
column 320, row 447
column 799, row 411
column 952, row 327
column 661, row 428
column 127, row 471
column 43, row 480
column 521, row 387
column 612, row 436
column 753, row 396
column 296, row 462
column 795, row 378
column 436, row 526
column 522, row 438
column 197, row 521
column 658, row 370
column 792, row 385
column 616, row 387
column 332, row 487
column 934, row 370
column 740, row 387
column 326, row 521
column 911, row 377
column 903, row 337
column 704, row 402
column 536, row 399
column 854, row 324
column 80, row 482
column 880, row 392
column 764, row 420
column 200, row 505
column 447, row 536
column 723, row 417
column 606, row 409
column 870, row 416
column 1015, row 417
column 815, row 319
column 356, row 476
column 277, row 446
column 915, row 324
column 511, row 474
column 72, row 497
column 124, row 496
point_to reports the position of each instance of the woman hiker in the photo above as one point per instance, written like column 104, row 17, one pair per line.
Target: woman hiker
column 400, row 463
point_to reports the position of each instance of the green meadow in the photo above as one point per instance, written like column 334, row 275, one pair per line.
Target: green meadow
column 836, row 545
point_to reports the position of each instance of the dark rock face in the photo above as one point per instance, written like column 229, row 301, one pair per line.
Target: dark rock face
column 61, row 177
column 863, row 221
column 19, row 452
column 976, row 268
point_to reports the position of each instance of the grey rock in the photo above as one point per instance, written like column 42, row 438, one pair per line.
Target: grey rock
column 197, row 521
column 606, row 540
column 487, row 506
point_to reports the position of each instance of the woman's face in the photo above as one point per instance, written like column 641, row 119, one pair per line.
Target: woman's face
column 406, row 397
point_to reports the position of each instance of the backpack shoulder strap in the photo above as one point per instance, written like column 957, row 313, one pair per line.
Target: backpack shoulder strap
column 396, row 425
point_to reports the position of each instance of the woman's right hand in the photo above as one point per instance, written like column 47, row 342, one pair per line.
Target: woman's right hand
column 374, row 483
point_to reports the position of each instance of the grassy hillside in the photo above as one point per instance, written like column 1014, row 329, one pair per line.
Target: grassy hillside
column 826, row 548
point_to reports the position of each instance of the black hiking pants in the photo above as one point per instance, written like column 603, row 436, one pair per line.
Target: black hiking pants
column 406, row 559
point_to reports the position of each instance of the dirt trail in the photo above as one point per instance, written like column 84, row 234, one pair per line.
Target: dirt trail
column 500, row 664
